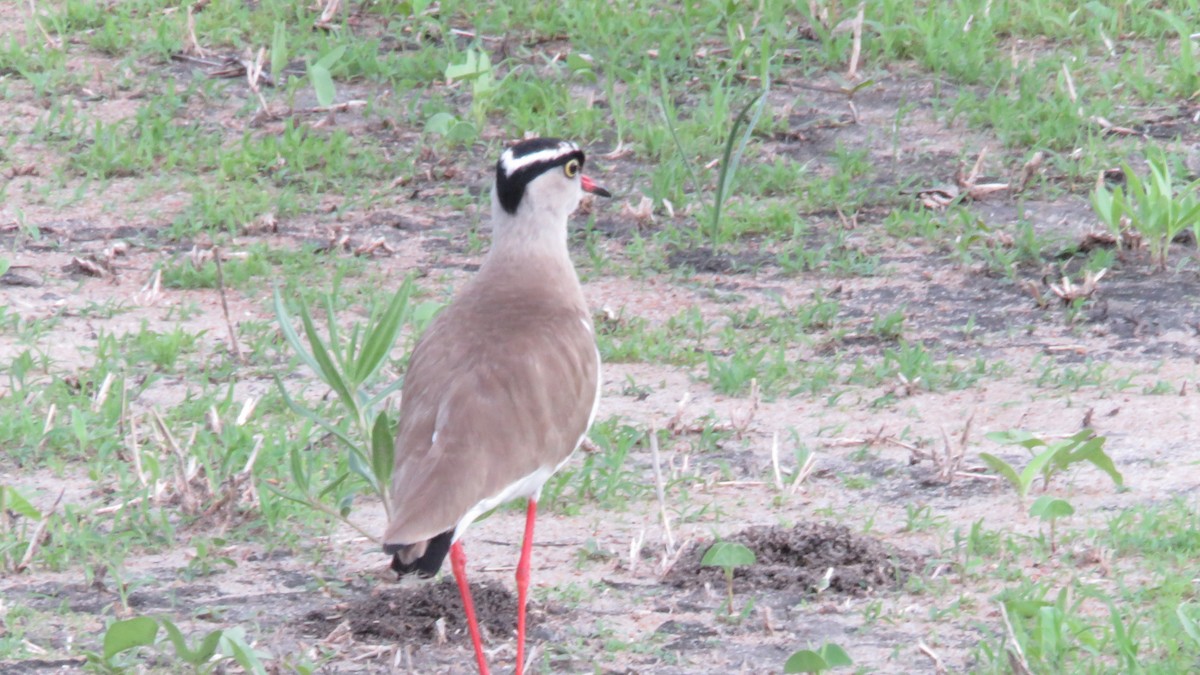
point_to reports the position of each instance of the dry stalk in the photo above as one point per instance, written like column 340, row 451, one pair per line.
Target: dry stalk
column 102, row 393
column 856, row 28
column 803, row 472
column 35, row 540
column 635, row 549
column 660, row 491
column 233, row 341
column 254, row 73
column 938, row 666
column 325, row 21
column 775, row 461
column 1016, row 656
column 51, row 42
column 193, row 45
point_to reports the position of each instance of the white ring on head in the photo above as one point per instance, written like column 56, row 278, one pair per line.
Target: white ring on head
column 512, row 164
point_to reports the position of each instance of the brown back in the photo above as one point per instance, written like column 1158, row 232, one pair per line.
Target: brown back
column 502, row 383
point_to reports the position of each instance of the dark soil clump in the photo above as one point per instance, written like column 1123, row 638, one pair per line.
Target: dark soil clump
column 411, row 613
column 798, row 560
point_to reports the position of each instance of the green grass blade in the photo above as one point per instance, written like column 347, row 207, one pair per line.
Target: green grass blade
column 289, row 333
column 327, row 370
column 383, row 334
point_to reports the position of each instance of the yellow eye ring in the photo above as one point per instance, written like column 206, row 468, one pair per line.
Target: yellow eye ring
column 571, row 168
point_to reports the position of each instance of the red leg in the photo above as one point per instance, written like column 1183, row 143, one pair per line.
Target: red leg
column 458, row 562
column 523, row 582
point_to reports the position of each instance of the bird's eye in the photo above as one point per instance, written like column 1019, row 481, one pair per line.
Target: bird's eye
column 571, row 168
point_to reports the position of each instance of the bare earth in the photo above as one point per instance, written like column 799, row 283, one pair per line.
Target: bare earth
column 611, row 593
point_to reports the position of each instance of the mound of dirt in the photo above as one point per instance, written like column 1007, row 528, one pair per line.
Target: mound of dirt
column 798, row 560
column 411, row 613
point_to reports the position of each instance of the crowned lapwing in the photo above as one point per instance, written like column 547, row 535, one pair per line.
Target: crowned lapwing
column 504, row 384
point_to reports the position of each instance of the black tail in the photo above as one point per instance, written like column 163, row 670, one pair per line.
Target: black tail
column 429, row 563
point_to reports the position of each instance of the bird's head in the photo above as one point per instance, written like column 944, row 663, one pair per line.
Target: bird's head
column 541, row 177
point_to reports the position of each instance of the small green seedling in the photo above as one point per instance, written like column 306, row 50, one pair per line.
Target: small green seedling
column 1154, row 208
column 348, row 366
column 478, row 69
column 197, row 657
column 1050, row 509
column 1191, row 625
column 321, row 75
column 815, row 661
column 120, row 637
column 728, row 556
column 1058, row 456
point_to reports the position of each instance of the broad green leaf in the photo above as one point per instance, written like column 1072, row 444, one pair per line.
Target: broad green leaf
column 11, row 500
column 203, row 652
column 805, row 661
column 129, row 634
column 727, row 554
column 1015, row 437
column 1035, row 468
column 476, row 64
column 1049, row 508
column 322, row 82
column 835, row 656
column 440, row 123
column 331, row 57
column 1003, row 468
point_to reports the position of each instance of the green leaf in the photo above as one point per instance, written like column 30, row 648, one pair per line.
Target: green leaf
column 233, row 644
column 1015, row 437
column 313, row 417
column 383, row 449
column 11, row 500
column 383, row 334
column 331, row 57
column 1093, row 451
column 1003, row 468
column 805, row 661
column 202, row 653
column 1189, row 624
column 289, row 333
column 327, row 370
column 322, row 82
column 279, row 55
column 440, row 123
column 475, row 65
column 728, row 555
column 129, row 634
column 1035, row 467
column 1049, row 508
column 835, row 656
column 359, row 465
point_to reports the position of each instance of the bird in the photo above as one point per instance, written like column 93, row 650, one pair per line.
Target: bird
column 504, row 384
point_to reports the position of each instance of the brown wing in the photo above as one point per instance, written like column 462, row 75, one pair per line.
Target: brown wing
column 497, row 388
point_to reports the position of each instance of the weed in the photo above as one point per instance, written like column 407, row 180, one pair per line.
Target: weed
column 827, row 657
column 1156, row 209
column 728, row 556
column 1050, row 458
column 348, row 368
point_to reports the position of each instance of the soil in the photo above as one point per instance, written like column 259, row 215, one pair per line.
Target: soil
column 613, row 590
column 808, row 558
